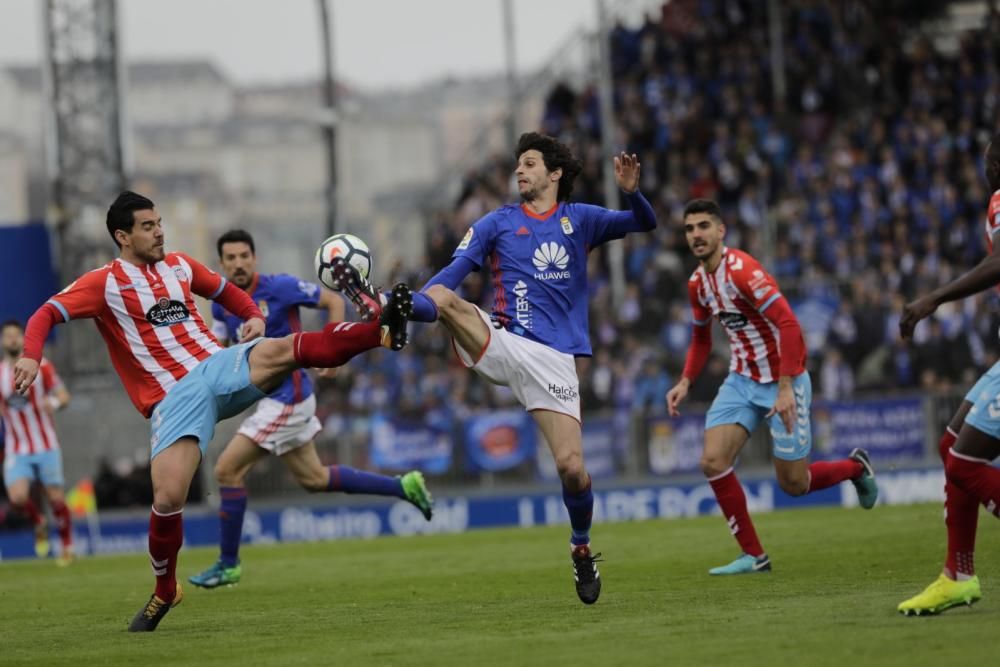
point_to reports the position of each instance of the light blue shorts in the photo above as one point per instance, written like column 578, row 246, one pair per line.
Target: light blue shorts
column 46, row 467
column 217, row 388
column 742, row 401
column 985, row 399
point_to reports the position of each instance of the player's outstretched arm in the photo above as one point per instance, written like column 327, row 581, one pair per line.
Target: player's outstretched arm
column 983, row 276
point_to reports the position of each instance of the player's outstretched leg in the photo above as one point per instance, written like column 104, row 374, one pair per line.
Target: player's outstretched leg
column 336, row 344
column 314, row 477
column 345, row 278
column 856, row 468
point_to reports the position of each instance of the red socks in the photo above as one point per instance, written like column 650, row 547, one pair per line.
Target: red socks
column 824, row 474
column 336, row 344
column 30, row 510
column 733, row 503
column 166, row 534
column 961, row 517
column 64, row 523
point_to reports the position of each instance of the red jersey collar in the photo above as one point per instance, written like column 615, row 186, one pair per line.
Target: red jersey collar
column 539, row 216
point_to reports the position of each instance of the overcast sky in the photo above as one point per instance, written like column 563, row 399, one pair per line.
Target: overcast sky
column 379, row 43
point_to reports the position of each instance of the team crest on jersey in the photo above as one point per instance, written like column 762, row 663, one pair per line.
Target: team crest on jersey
column 551, row 256
column 179, row 272
column 467, row 240
column 263, row 308
column 567, row 226
column 167, row 312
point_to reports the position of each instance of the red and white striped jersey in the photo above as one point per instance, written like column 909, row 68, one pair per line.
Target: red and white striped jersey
column 737, row 293
column 992, row 220
column 28, row 427
column 148, row 319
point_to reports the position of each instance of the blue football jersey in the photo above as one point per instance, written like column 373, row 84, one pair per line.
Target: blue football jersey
column 539, row 266
column 278, row 296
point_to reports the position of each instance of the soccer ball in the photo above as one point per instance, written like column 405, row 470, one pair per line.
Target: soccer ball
column 348, row 246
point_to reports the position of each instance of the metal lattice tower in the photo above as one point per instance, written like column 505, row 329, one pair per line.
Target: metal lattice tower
column 85, row 147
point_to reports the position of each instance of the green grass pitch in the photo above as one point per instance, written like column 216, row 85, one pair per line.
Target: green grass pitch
column 505, row 597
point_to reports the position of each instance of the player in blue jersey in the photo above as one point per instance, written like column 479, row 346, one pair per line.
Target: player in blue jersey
column 537, row 251
column 284, row 423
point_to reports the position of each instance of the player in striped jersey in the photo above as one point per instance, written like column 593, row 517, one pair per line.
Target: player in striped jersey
column 174, row 369
column 31, row 448
column 972, row 438
column 767, row 381
column 284, row 423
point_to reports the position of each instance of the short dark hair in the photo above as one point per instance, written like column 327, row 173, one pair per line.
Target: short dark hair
column 12, row 323
column 703, row 206
column 555, row 155
column 120, row 214
column 235, row 236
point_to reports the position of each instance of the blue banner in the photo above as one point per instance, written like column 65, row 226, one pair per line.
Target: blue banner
column 598, row 451
column 888, row 429
column 675, row 444
column 461, row 513
column 499, row 440
column 400, row 444
column 25, row 261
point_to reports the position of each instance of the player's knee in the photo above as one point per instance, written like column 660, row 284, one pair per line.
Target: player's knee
column 227, row 476
column 17, row 498
column 169, row 500
column 443, row 298
column 315, row 481
column 794, row 486
column 713, row 465
column 571, row 471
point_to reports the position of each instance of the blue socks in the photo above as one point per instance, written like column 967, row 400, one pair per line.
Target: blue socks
column 424, row 309
column 231, row 511
column 351, row 480
column 581, row 513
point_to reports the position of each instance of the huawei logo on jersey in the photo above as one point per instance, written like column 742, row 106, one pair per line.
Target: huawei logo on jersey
column 167, row 312
column 551, row 255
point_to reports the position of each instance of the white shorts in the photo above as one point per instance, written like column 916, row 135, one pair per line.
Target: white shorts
column 279, row 427
column 539, row 377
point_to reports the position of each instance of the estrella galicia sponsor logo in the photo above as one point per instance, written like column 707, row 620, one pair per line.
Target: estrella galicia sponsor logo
column 167, row 312
column 550, row 256
column 521, row 304
column 735, row 321
column 563, row 393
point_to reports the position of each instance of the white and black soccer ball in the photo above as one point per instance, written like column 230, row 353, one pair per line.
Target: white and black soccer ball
column 348, row 246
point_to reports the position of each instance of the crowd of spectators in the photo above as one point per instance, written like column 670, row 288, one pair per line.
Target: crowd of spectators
column 859, row 188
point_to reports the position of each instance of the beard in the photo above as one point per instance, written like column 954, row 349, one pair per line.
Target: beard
column 13, row 351
column 153, row 255
column 241, row 280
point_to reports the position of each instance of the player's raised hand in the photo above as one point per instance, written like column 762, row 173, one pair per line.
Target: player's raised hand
column 25, row 371
column 252, row 329
column 676, row 395
column 627, row 172
column 785, row 407
column 913, row 312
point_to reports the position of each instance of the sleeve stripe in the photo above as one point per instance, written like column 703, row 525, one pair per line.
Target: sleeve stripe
column 699, row 323
column 61, row 308
column 222, row 286
column 774, row 297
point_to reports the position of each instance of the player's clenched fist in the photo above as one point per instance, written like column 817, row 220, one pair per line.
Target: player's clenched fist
column 25, row 371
